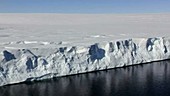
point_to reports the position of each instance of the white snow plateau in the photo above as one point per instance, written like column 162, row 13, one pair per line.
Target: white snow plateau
column 43, row 46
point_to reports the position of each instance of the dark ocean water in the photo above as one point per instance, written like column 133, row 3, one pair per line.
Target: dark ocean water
column 151, row 79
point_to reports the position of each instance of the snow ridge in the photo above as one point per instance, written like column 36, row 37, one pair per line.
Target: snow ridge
column 19, row 65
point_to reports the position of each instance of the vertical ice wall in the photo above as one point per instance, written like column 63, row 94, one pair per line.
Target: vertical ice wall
column 28, row 64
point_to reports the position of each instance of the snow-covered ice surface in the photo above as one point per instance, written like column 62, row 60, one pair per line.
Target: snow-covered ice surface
column 41, row 46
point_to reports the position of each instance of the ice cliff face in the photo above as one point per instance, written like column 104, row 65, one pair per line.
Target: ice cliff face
column 19, row 65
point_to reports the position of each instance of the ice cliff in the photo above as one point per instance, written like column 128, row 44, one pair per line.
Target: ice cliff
column 29, row 64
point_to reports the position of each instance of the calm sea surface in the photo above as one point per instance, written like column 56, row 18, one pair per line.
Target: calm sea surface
column 151, row 79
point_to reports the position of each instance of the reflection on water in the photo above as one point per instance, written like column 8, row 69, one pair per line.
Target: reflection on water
column 141, row 80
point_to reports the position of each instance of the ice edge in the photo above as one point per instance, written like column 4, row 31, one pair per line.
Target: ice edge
column 20, row 65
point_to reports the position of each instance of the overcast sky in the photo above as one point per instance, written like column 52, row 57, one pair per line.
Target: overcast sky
column 85, row 6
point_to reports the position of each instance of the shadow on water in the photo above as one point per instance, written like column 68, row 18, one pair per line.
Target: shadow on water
column 141, row 80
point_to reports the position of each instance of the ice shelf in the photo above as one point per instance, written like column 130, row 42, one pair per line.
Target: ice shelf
column 35, row 48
